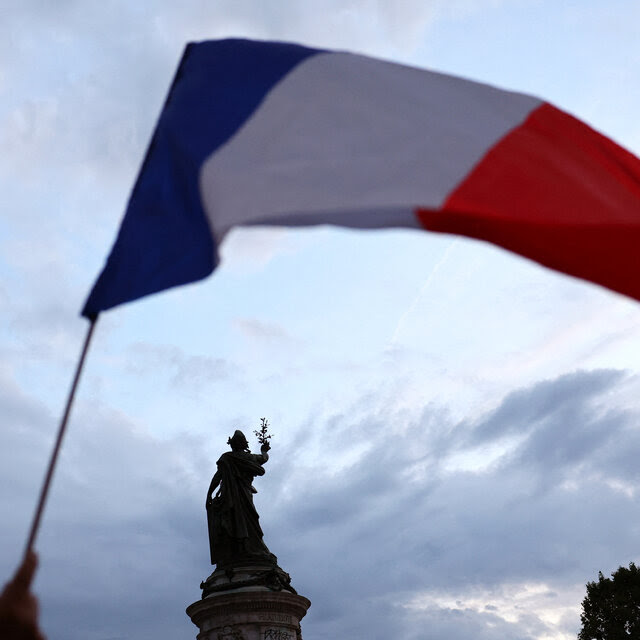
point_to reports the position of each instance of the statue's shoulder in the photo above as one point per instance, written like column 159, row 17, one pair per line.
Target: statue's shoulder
column 235, row 456
column 225, row 458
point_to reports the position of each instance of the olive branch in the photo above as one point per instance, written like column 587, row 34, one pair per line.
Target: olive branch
column 262, row 435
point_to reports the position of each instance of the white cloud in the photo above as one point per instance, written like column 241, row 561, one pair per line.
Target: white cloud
column 535, row 609
column 248, row 250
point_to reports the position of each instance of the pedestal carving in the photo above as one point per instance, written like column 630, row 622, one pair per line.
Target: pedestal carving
column 249, row 615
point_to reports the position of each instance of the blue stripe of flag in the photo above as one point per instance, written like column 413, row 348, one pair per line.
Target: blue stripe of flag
column 165, row 239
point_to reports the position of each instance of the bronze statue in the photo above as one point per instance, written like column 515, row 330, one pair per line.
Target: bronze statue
column 235, row 535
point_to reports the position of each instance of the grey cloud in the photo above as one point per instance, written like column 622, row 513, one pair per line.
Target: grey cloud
column 453, row 529
column 123, row 540
column 620, row 458
column 462, row 624
column 526, row 408
column 261, row 330
column 193, row 372
column 20, row 413
column 556, row 429
column 25, row 438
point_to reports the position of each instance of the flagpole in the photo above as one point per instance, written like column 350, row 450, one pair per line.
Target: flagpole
column 35, row 524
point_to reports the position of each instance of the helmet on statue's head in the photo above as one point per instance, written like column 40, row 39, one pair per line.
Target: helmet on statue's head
column 238, row 442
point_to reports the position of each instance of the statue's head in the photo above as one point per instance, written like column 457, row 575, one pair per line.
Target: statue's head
column 238, row 442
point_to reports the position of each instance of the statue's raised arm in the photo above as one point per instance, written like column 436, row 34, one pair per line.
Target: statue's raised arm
column 264, row 448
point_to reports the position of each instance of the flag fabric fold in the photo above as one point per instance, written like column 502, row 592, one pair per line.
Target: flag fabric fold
column 262, row 133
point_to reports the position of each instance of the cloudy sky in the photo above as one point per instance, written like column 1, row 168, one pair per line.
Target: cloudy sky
column 456, row 430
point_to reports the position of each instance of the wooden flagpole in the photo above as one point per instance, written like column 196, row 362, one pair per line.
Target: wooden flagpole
column 44, row 491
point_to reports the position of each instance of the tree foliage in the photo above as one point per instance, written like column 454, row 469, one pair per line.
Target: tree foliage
column 611, row 609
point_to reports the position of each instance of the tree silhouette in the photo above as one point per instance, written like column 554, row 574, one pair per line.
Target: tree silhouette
column 611, row 609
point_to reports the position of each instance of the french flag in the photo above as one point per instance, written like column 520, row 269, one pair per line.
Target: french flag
column 265, row 133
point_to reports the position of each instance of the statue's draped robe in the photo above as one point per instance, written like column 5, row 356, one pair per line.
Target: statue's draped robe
column 234, row 528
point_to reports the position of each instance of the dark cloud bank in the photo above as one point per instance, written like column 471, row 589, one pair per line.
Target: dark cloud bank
column 124, row 542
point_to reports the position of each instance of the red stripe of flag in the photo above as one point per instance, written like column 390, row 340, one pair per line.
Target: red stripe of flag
column 556, row 191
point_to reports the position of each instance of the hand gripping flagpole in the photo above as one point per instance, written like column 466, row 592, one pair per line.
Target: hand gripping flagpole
column 44, row 491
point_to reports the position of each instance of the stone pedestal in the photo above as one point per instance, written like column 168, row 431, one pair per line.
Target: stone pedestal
column 249, row 613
